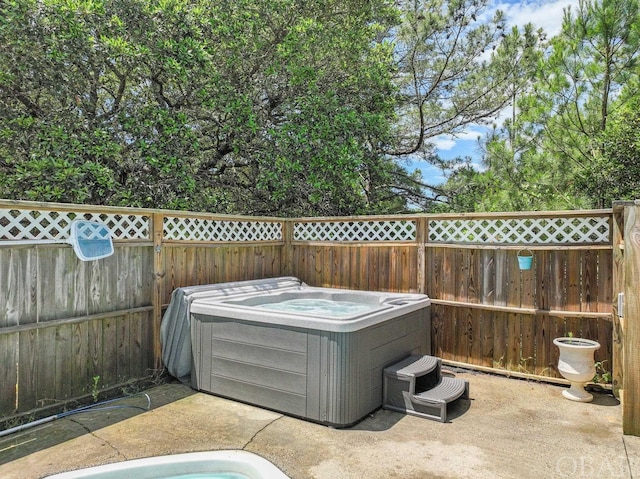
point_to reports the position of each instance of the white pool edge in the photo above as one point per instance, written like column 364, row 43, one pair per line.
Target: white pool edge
column 241, row 462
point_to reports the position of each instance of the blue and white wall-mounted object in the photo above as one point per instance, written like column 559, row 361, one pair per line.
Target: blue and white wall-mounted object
column 91, row 240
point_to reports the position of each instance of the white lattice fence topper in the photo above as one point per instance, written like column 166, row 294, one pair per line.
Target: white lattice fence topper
column 402, row 230
column 562, row 230
column 31, row 224
column 201, row 229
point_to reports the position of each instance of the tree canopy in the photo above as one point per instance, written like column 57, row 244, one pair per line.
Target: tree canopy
column 568, row 145
column 247, row 106
column 289, row 107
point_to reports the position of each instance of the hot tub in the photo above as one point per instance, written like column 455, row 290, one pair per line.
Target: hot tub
column 314, row 353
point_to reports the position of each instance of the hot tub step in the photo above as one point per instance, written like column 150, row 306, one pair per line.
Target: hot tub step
column 413, row 366
column 416, row 386
column 432, row 404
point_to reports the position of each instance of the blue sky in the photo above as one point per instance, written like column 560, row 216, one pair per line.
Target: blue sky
column 546, row 14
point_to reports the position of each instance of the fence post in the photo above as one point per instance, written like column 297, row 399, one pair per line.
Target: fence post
column 422, row 224
column 631, row 384
column 617, row 347
column 157, row 221
column 287, row 252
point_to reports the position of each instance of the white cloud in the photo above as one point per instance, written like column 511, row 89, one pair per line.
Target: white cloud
column 546, row 14
column 448, row 142
column 444, row 142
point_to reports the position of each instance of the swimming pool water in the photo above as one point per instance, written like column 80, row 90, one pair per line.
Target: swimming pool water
column 210, row 475
column 318, row 307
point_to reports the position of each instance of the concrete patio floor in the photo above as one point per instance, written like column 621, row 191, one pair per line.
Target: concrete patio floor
column 509, row 428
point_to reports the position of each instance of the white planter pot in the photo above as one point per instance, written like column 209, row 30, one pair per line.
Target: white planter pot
column 577, row 364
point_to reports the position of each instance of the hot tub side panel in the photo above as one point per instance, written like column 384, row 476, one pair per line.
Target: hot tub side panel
column 350, row 366
column 328, row 377
column 256, row 363
column 392, row 341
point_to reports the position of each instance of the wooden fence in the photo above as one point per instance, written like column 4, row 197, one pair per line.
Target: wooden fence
column 486, row 312
column 64, row 322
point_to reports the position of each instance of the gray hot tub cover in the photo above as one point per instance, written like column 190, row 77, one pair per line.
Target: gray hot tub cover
column 175, row 329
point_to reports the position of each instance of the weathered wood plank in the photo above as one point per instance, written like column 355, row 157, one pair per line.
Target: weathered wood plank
column 9, row 358
column 557, row 283
column 384, row 268
column 132, row 272
column 18, row 277
column 136, row 343
column 28, row 370
column 518, row 288
column 474, row 279
column 574, row 280
column 528, row 346
column 487, row 336
column 337, row 268
column 514, row 342
column 64, row 361
column 190, row 266
column 449, row 333
column 247, row 265
column 500, row 343
column 461, row 270
column 605, row 338
column 542, row 280
column 315, row 266
column 168, row 271
column 149, row 335
column 502, row 278
column 364, row 268
column 109, row 352
column 448, row 275
column 434, row 277
column 123, row 348
column 411, row 276
column 589, row 282
column 46, row 366
column 438, row 330
column 61, row 284
column 352, row 268
column 605, row 281
column 393, row 269
column 374, row 269
column 463, row 334
column 80, row 379
column 102, row 285
column 488, row 277
column 475, row 336
column 94, row 349
column 542, row 345
column 218, row 259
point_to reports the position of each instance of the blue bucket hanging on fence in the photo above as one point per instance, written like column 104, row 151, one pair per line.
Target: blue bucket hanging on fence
column 525, row 260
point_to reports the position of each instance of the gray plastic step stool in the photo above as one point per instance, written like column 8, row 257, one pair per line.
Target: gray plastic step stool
column 415, row 386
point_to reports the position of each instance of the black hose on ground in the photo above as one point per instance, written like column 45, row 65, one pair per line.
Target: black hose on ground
column 89, row 408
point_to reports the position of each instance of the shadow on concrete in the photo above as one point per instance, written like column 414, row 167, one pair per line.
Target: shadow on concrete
column 39, row 437
column 602, row 397
column 382, row 419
